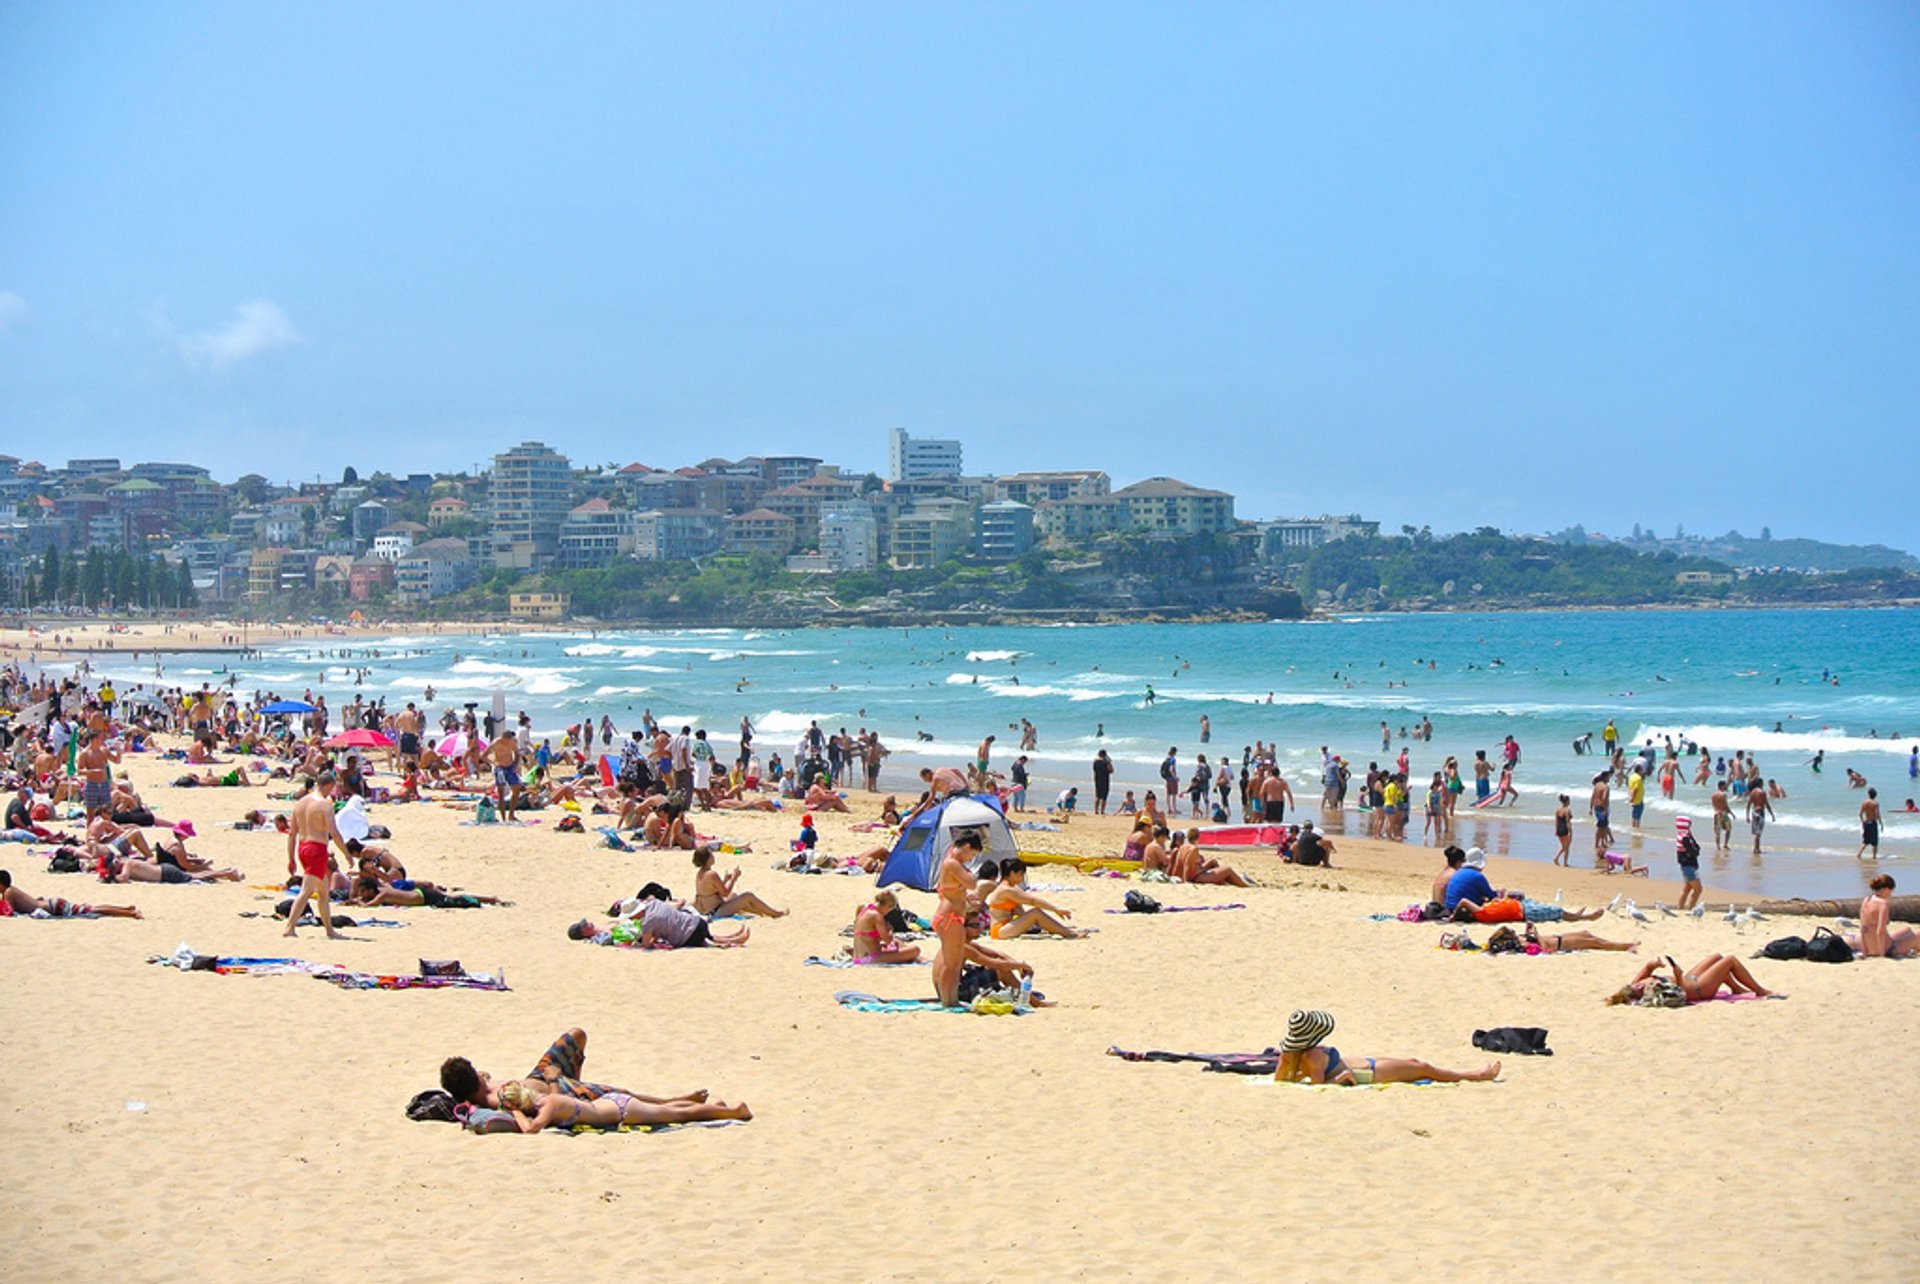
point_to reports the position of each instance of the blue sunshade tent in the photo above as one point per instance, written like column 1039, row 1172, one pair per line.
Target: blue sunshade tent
column 922, row 845
column 287, row 706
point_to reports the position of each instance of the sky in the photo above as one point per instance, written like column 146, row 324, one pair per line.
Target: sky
column 1520, row 265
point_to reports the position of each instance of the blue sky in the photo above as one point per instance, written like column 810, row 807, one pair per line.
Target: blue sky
column 1447, row 264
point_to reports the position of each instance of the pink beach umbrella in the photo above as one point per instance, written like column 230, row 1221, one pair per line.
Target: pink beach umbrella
column 359, row 738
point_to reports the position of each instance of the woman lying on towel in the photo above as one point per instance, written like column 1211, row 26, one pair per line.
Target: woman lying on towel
column 552, row 1109
column 1699, row 983
column 18, row 901
column 1306, row 1057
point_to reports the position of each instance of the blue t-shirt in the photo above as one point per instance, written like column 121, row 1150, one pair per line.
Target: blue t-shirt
column 1470, row 884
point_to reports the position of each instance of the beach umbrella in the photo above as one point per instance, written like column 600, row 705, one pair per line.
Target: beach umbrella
column 359, row 738
column 287, row 706
column 453, row 746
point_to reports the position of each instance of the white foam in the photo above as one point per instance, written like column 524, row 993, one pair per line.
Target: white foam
column 989, row 657
column 1806, row 739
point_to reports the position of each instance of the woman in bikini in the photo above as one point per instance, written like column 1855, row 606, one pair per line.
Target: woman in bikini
column 950, row 916
column 873, row 940
column 1570, row 942
column 1701, row 982
column 1306, row 1057
column 533, row 1111
column 713, row 893
column 1014, row 911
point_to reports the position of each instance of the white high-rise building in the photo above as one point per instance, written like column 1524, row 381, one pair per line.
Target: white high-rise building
column 527, row 500
column 914, row 458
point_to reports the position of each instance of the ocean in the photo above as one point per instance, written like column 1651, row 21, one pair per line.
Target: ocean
column 1780, row 685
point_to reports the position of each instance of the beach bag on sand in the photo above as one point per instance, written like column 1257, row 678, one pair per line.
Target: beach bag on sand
column 431, row 1106
column 1505, row 941
column 1141, row 903
column 64, row 863
column 1828, row 946
column 1787, row 947
column 484, row 813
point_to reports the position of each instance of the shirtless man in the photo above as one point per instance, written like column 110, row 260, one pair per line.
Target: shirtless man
column 1759, row 812
column 1869, row 825
column 310, row 833
column 504, row 754
column 1276, row 795
column 1722, row 818
column 1599, row 803
column 407, row 723
column 982, row 760
column 96, row 775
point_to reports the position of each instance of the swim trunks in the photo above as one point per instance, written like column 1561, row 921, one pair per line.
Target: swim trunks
column 174, row 874
column 409, row 744
column 1869, row 833
column 1600, row 817
column 313, row 859
column 506, row 777
column 97, row 795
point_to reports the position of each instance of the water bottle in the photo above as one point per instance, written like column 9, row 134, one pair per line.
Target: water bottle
column 1026, row 993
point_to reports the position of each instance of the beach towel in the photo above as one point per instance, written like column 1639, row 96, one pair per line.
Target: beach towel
column 814, row 960
column 857, row 1001
column 484, row 1120
column 1182, row 909
column 374, row 981
column 1264, row 1061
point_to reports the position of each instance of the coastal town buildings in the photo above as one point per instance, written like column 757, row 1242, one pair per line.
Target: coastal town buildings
column 911, row 458
column 527, row 502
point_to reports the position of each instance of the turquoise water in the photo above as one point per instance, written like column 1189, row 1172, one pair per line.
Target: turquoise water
column 1724, row 679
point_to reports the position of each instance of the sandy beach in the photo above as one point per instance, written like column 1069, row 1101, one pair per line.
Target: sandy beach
column 1723, row 1141
column 57, row 639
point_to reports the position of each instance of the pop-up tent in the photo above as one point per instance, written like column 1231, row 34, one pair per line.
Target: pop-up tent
column 916, row 855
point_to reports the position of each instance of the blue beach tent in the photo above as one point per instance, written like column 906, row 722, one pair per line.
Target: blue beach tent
column 287, row 706
column 917, row 853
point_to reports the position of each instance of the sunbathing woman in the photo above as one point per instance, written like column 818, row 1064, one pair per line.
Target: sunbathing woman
column 1876, row 939
column 553, row 1109
column 131, row 869
column 1306, row 1058
column 667, row 827
column 1569, row 942
column 20, row 902
column 416, row 893
column 1014, row 911
column 873, row 940
column 713, row 893
column 1701, row 982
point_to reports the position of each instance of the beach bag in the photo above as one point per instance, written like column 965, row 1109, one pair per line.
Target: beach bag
column 484, row 813
column 64, row 863
column 431, row 1106
column 1413, row 914
column 1787, row 947
column 1505, row 941
column 1828, row 946
column 1140, row 903
column 1689, row 850
column 1504, row 910
column 977, row 979
column 1662, row 993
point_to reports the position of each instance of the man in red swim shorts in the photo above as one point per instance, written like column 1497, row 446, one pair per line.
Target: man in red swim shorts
column 309, row 835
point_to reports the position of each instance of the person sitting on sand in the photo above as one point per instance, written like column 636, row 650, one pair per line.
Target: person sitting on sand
column 16, row 900
column 557, row 1072
column 873, row 939
column 123, row 840
column 664, row 925
column 1306, row 1057
column 1013, row 911
column 1570, row 942
column 1311, row 847
column 667, row 828
column 1191, row 865
column 1469, row 886
column 533, row 1111
column 821, row 798
column 713, row 893
column 1455, row 858
column 1699, row 983
column 1128, row 806
column 1876, row 939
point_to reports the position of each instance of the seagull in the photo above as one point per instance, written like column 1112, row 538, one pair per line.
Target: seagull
column 1637, row 914
column 1731, row 916
column 1614, row 904
column 1697, row 913
column 1662, row 907
column 1846, row 922
column 1558, row 893
column 1746, row 917
column 1756, row 915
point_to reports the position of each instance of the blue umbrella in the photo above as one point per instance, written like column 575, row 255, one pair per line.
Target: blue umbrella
column 287, row 706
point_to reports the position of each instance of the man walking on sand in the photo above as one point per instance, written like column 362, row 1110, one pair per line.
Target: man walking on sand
column 310, row 833
column 1276, row 795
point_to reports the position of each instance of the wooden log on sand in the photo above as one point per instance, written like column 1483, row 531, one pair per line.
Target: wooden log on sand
column 1903, row 909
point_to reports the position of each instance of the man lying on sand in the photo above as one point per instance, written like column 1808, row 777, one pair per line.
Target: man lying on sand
column 15, row 900
column 663, row 924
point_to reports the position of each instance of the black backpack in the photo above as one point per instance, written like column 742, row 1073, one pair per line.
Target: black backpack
column 1787, row 947
column 1141, row 903
column 1828, row 946
column 1690, row 850
column 431, row 1106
